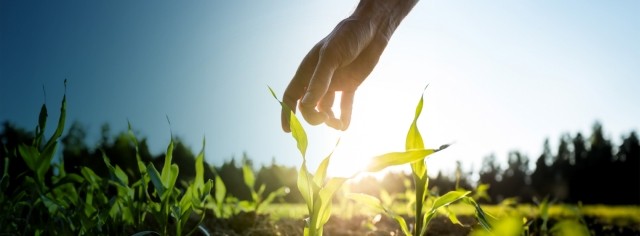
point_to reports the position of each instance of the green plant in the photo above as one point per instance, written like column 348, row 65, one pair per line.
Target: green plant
column 317, row 190
column 415, row 155
column 171, row 205
column 218, row 202
column 257, row 197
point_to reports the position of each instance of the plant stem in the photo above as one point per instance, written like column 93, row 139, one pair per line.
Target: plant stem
column 419, row 201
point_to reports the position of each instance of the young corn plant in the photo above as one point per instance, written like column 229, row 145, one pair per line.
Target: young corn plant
column 257, row 197
column 171, row 205
column 219, row 200
column 317, row 190
column 423, row 214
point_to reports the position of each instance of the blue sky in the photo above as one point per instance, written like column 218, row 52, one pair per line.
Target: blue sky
column 503, row 75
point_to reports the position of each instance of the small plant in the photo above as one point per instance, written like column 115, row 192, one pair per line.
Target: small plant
column 257, row 197
column 318, row 193
column 317, row 190
column 423, row 215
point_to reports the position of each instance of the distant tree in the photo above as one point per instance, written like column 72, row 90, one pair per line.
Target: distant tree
column 629, row 164
column 562, row 170
column 543, row 172
column 515, row 180
column 490, row 173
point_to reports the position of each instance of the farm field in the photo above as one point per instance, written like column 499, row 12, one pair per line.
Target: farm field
column 129, row 193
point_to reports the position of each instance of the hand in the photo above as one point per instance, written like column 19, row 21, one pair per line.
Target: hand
column 341, row 61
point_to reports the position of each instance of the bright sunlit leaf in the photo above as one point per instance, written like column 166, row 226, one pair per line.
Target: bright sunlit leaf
column 397, row 158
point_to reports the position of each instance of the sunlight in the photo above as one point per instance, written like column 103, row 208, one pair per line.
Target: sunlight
column 371, row 133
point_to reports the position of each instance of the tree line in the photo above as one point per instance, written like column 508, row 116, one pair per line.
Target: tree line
column 587, row 169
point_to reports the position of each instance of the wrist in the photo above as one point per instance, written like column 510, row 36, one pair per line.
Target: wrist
column 386, row 15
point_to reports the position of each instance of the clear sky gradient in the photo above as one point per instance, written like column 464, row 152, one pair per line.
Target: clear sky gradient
column 503, row 75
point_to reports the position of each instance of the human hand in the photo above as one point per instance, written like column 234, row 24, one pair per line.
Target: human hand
column 341, row 61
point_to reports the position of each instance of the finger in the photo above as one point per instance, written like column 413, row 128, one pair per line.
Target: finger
column 325, row 106
column 317, row 89
column 296, row 88
column 326, row 103
column 346, row 107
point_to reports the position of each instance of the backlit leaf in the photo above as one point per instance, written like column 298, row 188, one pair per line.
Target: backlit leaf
column 297, row 131
column 221, row 189
column 326, row 194
column 448, row 198
column 321, row 173
column 304, row 185
column 247, row 174
column 367, row 200
column 397, row 158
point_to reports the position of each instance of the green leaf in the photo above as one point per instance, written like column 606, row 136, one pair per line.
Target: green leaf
column 402, row 223
column 281, row 192
column 397, row 158
column 452, row 216
column 298, row 134
column 44, row 162
column 30, row 155
column 305, row 186
column 297, row 131
column 326, row 195
column 448, row 198
column 321, row 173
column 368, row 201
column 247, row 174
column 441, row 201
column 91, row 177
column 166, row 176
column 199, row 180
column 42, row 123
column 173, row 177
column 155, row 179
column 53, row 140
column 414, row 140
column 117, row 172
column 221, row 190
column 482, row 217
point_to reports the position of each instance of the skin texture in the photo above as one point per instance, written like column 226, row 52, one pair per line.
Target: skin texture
column 341, row 61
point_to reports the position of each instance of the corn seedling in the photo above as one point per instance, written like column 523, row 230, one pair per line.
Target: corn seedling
column 257, row 197
column 317, row 190
column 219, row 200
column 415, row 155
